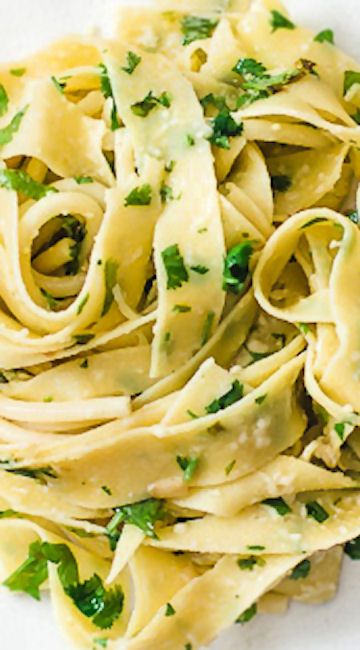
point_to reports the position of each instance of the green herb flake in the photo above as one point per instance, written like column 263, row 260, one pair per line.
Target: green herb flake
column 195, row 28
column 52, row 302
column 170, row 611
column 133, row 61
column 106, row 89
column 280, row 183
column 59, row 85
column 18, row 72
column 48, row 399
column 317, row 512
column 304, row 328
column 207, row 328
column 325, row 36
column 107, row 490
column 279, row 504
column 249, row 67
column 192, row 414
column 190, row 140
column 200, row 269
column 82, row 303
column 181, row 309
column 247, row 615
column 83, row 180
column 351, row 77
column 101, row 643
column 340, row 429
column 110, row 276
column 8, row 514
column 279, row 21
column 301, row 571
column 20, row 181
column 40, row 474
column 4, row 101
column 248, row 563
column 175, row 268
column 229, row 468
column 144, row 515
column 188, row 466
column 354, row 215
column 224, row 127
column 352, row 548
column 235, row 393
column 313, row 222
column 141, row 195
column 83, row 339
column 84, row 364
column 146, row 105
column 7, row 133
column 236, row 267
column 166, row 193
column 259, row 400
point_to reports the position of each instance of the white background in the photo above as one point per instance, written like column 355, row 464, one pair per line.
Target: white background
column 26, row 25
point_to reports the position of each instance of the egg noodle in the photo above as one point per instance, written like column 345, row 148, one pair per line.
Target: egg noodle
column 179, row 335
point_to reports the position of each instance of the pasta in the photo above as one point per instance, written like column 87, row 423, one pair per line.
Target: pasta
column 179, row 349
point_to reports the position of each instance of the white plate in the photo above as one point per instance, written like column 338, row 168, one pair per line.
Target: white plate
column 24, row 624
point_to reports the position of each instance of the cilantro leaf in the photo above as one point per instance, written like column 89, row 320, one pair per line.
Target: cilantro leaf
column 235, row 393
column 317, row 512
column 301, row 571
column 352, row 548
column 325, row 36
column 224, row 127
column 7, row 132
column 175, row 268
column 279, row 21
column 280, row 183
column 236, row 267
column 195, row 28
column 281, row 507
column 351, row 77
column 206, row 333
column 247, row 615
column 146, row 105
column 141, row 195
column 133, row 61
column 20, row 181
column 110, row 275
column 143, row 514
column 4, row 100
column 188, row 466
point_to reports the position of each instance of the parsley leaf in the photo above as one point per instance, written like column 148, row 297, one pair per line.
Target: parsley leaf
column 106, row 89
column 7, row 132
column 4, row 100
column 301, row 571
column 181, row 309
column 280, row 183
column 235, row 393
column 31, row 574
column 50, row 299
column 195, row 28
column 59, row 85
column 259, row 400
column 18, row 72
column 340, row 429
column 141, row 195
column 325, row 36
column 229, row 468
column 354, row 215
column 83, row 180
column 94, row 601
column 248, row 563
column 82, row 303
column 166, row 193
column 351, row 77
column 20, row 181
column 206, row 333
column 224, row 127
column 200, row 269
column 110, row 274
column 352, row 548
column 279, row 21
column 236, row 267
column 281, row 507
column 39, row 474
column 188, row 466
column 313, row 221
column 133, row 61
column 248, row 67
column 146, row 105
column 144, row 515
column 175, row 268
column 83, row 339
column 247, row 615
column 170, row 611
column 317, row 512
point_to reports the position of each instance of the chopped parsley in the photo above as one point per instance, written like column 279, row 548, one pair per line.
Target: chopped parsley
column 143, row 514
column 256, row 548
column 200, row 269
column 107, row 490
column 7, row 132
column 247, row 615
column 325, row 36
column 84, row 364
column 280, row 183
column 259, row 400
column 196, row 28
column 190, row 140
column 317, row 512
column 192, row 415
column 132, row 63
column 304, row 328
column 248, row 563
column 4, row 100
column 188, row 466
column 229, row 468
column 313, row 221
column 83, row 339
column 110, row 276
column 175, row 268
column 235, row 393
column 351, row 77
column 18, row 72
column 352, row 548
column 90, row 597
column 50, row 299
column 181, row 309
column 279, row 21
column 207, row 329
column 141, row 195
column 82, row 303
column 106, row 89
column 354, row 215
column 236, row 267
column 340, row 429
column 279, row 504
column 102, row 643
column 146, row 105
column 83, row 180
column 249, row 68
column 224, row 127
column 170, row 611
column 166, row 193
column 20, row 181
column 39, row 474
column 301, row 571
column 8, row 514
